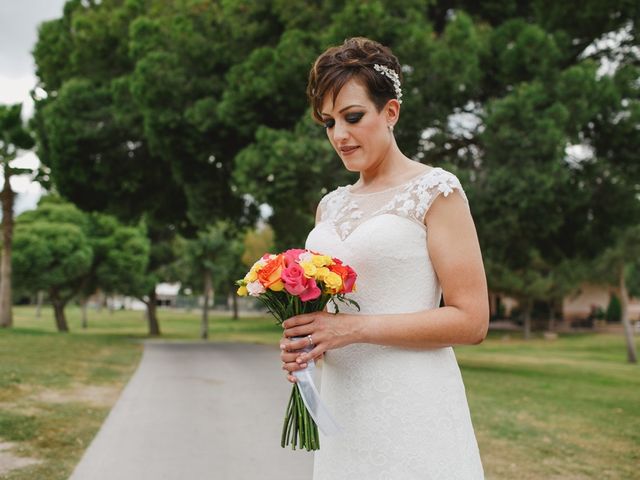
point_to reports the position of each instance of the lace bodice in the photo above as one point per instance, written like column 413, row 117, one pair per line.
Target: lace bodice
column 347, row 210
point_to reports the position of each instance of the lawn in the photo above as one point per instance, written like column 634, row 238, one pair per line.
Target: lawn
column 563, row 409
column 542, row 409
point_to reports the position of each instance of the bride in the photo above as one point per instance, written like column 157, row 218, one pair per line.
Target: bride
column 390, row 376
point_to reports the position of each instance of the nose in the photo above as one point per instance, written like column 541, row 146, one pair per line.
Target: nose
column 340, row 132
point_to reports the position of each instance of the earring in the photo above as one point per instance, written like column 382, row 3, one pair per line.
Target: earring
column 391, row 128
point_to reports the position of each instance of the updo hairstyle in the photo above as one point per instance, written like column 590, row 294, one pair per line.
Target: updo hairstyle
column 354, row 59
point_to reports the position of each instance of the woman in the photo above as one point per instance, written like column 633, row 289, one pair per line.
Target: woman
column 390, row 376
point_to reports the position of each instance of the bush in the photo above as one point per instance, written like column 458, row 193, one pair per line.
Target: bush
column 614, row 310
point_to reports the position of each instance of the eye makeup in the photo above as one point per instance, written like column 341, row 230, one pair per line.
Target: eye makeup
column 352, row 117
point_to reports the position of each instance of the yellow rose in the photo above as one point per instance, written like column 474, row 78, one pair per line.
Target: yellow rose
column 333, row 281
column 309, row 269
column 242, row 291
column 322, row 260
column 321, row 273
column 252, row 276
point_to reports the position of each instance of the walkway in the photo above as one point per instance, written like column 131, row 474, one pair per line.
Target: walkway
column 198, row 411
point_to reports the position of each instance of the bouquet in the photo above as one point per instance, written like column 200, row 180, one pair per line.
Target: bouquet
column 291, row 283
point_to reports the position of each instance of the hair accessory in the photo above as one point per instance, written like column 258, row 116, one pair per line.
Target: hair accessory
column 391, row 75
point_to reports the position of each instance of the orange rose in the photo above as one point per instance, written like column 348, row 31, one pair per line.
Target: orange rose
column 271, row 273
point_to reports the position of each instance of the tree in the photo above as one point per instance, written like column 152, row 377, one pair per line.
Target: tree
column 205, row 262
column 121, row 256
column 52, row 253
column 205, row 101
column 14, row 136
column 616, row 264
column 60, row 249
column 257, row 242
column 120, row 128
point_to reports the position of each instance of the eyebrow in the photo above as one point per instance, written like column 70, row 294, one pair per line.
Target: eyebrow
column 345, row 108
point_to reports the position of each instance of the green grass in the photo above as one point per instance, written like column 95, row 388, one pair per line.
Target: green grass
column 544, row 409
column 563, row 409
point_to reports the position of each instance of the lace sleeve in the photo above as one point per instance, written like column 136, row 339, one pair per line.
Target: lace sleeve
column 428, row 189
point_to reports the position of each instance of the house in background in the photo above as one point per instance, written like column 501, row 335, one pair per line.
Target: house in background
column 166, row 296
column 578, row 306
column 575, row 307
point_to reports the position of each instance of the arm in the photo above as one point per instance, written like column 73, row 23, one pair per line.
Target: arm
column 455, row 254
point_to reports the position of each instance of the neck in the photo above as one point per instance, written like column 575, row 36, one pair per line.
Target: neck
column 392, row 164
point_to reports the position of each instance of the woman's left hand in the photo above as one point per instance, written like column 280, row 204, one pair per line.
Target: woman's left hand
column 327, row 331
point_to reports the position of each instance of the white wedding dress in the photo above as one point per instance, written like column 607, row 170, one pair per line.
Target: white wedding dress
column 403, row 412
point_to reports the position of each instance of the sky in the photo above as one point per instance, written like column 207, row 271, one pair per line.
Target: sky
column 19, row 20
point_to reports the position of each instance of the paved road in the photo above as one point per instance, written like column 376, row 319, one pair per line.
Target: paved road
column 198, row 411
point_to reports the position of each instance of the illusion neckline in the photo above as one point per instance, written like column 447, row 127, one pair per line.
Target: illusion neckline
column 411, row 180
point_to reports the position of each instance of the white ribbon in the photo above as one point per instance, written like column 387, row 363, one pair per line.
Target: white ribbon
column 311, row 397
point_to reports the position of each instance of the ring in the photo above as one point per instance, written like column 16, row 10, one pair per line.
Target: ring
column 310, row 339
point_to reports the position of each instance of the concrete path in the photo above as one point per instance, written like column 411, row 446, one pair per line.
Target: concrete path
column 196, row 411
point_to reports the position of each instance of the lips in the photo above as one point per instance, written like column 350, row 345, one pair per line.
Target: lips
column 348, row 149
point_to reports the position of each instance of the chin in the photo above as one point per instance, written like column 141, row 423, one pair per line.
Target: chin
column 351, row 168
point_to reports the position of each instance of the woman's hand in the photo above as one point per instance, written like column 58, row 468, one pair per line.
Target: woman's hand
column 289, row 363
column 323, row 330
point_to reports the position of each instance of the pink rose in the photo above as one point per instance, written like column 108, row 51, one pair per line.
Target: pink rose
column 294, row 279
column 291, row 255
column 311, row 292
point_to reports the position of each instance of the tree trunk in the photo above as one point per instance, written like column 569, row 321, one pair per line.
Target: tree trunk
column 527, row 305
column 58, row 311
column 552, row 315
column 111, row 305
column 6, row 197
column 152, row 318
column 624, row 307
column 83, row 305
column 99, row 301
column 204, row 327
column 39, row 302
column 234, row 303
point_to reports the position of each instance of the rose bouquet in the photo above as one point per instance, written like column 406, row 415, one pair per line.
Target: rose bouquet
column 291, row 283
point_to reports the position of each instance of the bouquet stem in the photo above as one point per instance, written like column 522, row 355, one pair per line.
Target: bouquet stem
column 299, row 429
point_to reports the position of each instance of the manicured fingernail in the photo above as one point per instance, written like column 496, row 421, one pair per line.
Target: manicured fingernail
column 282, row 347
column 303, row 365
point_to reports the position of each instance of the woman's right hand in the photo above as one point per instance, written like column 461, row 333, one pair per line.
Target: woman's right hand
column 288, row 358
column 289, row 363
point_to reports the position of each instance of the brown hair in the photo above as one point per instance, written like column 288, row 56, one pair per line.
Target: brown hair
column 354, row 59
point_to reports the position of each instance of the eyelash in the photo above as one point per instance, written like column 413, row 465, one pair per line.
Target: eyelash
column 351, row 118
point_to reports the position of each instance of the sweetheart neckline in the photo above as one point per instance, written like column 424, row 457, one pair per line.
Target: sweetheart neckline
column 343, row 240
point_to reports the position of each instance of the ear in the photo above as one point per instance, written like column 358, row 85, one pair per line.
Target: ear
column 392, row 111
